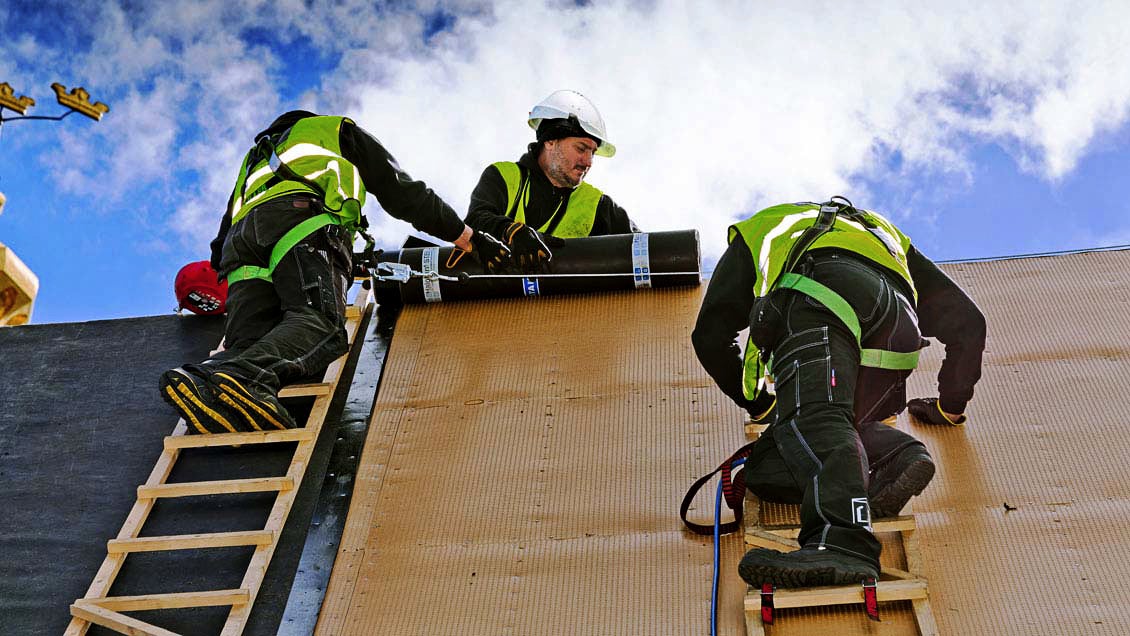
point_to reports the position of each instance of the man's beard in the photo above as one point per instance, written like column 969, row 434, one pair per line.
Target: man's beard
column 560, row 173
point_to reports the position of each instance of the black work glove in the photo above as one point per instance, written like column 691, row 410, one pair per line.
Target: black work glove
column 529, row 247
column 928, row 411
column 490, row 252
column 761, row 412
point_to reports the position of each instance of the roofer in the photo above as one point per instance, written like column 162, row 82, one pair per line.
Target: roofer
column 837, row 300
column 285, row 245
column 544, row 194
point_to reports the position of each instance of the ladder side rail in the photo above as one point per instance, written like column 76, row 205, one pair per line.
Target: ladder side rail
column 261, row 559
column 82, row 611
column 131, row 529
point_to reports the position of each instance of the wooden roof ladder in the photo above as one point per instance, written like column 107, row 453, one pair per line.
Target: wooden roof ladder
column 776, row 526
column 98, row 608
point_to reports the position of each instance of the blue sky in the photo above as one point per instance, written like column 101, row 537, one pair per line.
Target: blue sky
column 981, row 130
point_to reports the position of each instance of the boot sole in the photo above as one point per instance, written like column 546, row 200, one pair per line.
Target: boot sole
column 184, row 393
column 890, row 501
column 810, row 572
column 254, row 410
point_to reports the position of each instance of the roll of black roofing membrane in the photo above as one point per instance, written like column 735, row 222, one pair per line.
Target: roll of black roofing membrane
column 581, row 265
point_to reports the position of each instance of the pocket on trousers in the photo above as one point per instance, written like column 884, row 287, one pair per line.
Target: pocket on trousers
column 804, row 345
column 326, row 295
column 767, row 320
column 805, row 383
column 803, row 371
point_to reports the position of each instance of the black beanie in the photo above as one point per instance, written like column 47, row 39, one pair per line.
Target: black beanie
column 285, row 121
column 550, row 129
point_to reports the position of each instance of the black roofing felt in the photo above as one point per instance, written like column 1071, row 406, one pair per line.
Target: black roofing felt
column 81, row 426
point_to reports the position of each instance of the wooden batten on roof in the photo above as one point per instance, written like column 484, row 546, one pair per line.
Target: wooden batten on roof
column 18, row 287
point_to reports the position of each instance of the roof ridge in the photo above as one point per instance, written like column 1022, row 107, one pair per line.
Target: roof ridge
column 1085, row 250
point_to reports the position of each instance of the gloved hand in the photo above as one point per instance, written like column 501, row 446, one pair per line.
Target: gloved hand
column 929, row 411
column 490, row 252
column 759, row 416
column 529, row 247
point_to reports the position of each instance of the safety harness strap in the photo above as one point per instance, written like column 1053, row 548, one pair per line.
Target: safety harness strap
column 285, row 244
column 835, row 303
column 871, row 599
column 822, row 294
column 733, row 491
column 767, row 590
column 883, row 359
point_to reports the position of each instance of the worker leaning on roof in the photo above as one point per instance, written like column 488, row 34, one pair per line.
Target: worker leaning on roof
column 544, row 193
column 835, row 298
column 285, row 245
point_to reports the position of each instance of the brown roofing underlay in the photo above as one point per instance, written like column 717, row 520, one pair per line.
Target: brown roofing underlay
column 529, row 483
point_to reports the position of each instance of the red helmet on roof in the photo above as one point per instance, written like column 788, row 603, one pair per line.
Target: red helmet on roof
column 198, row 290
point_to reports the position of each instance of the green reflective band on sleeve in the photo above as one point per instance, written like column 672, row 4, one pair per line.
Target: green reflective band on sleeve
column 285, row 244
column 893, row 360
column 835, row 303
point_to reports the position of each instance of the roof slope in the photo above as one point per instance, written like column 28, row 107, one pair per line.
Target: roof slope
column 81, row 425
column 1048, row 436
column 522, row 473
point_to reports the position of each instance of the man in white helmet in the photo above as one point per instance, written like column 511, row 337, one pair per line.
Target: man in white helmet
column 543, row 197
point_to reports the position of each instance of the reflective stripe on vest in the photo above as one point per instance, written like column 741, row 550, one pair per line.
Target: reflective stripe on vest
column 579, row 215
column 770, row 235
column 306, row 158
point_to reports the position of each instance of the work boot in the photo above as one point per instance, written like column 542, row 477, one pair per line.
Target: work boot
column 193, row 397
column 896, row 481
column 258, row 408
column 806, row 567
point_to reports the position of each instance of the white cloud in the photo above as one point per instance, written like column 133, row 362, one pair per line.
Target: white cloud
column 715, row 112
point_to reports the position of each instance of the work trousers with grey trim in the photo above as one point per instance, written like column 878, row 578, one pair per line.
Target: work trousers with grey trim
column 293, row 326
column 816, row 451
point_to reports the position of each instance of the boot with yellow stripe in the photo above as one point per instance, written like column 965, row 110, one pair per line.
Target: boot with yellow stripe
column 257, row 408
column 193, row 397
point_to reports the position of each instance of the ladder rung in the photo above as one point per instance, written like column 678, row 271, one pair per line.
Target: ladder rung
column 190, row 541
column 890, row 524
column 305, row 390
column 839, row 595
column 175, row 600
column 219, row 487
column 100, row 609
column 236, row 439
column 118, row 622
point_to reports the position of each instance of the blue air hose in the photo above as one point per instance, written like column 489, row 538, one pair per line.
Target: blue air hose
column 717, row 555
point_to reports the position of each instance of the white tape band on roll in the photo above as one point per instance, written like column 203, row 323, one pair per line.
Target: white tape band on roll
column 641, row 261
column 429, row 263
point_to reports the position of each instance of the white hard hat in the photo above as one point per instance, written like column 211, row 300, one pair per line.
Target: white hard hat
column 567, row 104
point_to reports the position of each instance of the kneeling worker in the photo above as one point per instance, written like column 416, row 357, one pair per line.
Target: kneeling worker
column 837, row 300
column 544, row 194
column 285, row 245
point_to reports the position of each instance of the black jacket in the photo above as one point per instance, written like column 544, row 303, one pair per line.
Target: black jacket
column 490, row 202
column 945, row 312
column 399, row 195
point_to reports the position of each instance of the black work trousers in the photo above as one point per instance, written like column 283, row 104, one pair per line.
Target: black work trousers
column 816, row 451
column 292, row 326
